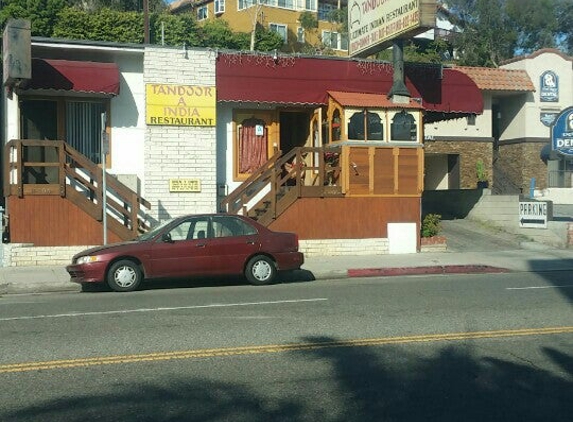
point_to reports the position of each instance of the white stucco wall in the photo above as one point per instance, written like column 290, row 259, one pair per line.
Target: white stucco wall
column 527, row 123
column 179, row 152
column 460, row 128
column 128, row 120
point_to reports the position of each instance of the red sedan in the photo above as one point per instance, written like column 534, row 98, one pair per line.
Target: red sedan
column 192, row 245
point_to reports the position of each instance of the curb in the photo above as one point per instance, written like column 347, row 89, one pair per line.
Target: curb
column 439, row 269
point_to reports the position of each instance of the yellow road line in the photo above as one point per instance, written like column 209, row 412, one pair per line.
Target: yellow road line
column 274, row 348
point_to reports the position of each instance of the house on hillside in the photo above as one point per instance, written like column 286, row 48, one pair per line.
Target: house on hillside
column 280, row 16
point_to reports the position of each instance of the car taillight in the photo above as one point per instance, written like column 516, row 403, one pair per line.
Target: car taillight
column 296, row 241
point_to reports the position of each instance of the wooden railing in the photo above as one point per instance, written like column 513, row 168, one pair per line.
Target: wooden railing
column 272, row 188
column 43, row 167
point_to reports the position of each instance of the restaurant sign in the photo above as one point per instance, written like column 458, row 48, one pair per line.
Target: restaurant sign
column 372, row 24
column 180, row 105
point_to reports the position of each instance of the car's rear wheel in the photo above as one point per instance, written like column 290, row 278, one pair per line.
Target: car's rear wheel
column 260, row 270
column 124, row 276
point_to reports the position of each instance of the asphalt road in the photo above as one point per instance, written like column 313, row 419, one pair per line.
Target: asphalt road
column 446, row 348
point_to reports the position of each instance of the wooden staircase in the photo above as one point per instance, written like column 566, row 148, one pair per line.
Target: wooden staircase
column 272, row 189
column 53, row 168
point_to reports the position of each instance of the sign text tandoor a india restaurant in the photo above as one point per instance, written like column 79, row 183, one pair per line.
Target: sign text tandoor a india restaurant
column 180, row 105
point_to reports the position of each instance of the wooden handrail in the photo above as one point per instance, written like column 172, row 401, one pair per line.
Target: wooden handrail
column 273, row 177
column 76, row 172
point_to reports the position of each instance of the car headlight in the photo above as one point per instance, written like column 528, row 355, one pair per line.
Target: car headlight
column 86, row 259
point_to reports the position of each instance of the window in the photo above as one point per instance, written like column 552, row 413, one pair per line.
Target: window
column 365, row 119
column 300, row 35
column 83, row 128
column 202, row 13
column 287, row 4
column 244, row 4
column 219, row 6
column 310, row 5
column 196, row 228
column 76, row 121
column 404, row 127
column 231, row 226
column 324, row 10
column 279, row 29
column 335, row 40
column 471, row 120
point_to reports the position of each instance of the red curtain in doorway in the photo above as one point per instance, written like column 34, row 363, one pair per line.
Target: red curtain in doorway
column 253, row 145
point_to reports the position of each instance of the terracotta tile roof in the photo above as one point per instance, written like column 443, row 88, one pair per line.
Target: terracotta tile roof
column 358, row 99
column 495, row 79
column 538, row 53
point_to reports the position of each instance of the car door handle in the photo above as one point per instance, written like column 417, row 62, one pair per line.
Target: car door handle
column 250, row 242
column 201, row 245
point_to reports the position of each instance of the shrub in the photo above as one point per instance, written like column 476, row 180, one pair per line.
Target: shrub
column 431, row 225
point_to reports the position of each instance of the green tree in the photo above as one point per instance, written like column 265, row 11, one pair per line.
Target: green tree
column 175, row 30
column 105, row 25
column 534, row 22
column 487, row 37
column 42, row 14
column 495, row 30
column 564, row 12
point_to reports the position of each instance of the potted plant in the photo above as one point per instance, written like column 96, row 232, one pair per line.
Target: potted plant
column 481, row 173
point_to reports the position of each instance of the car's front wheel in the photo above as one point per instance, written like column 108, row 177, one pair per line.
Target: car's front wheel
column 124, row 276
column 260, row 270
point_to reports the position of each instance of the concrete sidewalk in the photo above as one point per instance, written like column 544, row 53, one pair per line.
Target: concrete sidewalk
column 15, row 280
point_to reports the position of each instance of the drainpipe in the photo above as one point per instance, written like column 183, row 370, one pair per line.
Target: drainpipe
column 399, row 92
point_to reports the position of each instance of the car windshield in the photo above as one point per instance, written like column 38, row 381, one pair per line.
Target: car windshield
column 153, row 232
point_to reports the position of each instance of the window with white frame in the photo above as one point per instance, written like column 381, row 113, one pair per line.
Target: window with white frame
column 300, row 35
column 202, row 13
column 244, row 4
column 287, row 4
column 335, row 40
column 310, row 5
column 219, row 6
column 279, row 29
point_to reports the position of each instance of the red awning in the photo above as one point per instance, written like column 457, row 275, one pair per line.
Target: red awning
column 80, row 77
column 445, row 93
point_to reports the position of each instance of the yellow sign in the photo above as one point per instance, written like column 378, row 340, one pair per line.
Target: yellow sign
column 184, row 185
column 180, row 105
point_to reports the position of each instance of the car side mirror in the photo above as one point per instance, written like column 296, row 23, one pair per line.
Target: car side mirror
column 166, row 237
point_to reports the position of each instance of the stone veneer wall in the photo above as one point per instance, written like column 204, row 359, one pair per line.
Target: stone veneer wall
column 521, row 161
column 180, row 152
column 469, row 151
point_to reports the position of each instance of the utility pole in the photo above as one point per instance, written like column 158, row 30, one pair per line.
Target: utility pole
column 146, row 21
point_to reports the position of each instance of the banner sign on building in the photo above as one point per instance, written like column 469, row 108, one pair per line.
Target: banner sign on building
column 180, row 105
column 562, row 132
column 372, row 24
column 549, row 87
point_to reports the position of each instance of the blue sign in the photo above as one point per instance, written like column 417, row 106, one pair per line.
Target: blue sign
column 562, row 132
column 547, row 118
column 549, row 83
